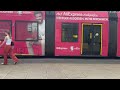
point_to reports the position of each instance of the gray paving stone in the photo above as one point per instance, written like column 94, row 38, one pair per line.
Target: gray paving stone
column 61, row 69
column 36, row 76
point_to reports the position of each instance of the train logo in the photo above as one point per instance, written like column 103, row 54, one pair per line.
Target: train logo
column 72, row 48
column 19, row 12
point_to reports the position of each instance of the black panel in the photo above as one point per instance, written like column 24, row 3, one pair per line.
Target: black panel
column 96, row 39
column 91, row 39
column 113, row 20
column 86, row 39
column 50, row 33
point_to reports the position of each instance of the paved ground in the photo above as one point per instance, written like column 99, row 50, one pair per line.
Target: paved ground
column 61, row 69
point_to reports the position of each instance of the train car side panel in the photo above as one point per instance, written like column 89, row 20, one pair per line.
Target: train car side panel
column 28, row 33
column 72, row 26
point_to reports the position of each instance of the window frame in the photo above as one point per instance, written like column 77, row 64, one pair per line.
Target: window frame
column 72, row 41
column 28, row 22
column 10, row 26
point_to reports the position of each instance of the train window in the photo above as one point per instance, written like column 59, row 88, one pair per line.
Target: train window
column 69, row 32
column 26, row 31
column 5, row 25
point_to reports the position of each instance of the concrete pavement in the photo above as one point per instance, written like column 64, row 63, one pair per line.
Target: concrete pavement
column 47, row 68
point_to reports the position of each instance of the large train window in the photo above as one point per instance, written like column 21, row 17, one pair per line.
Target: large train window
column 26, row 31
column 5, row 25
column 69, row 32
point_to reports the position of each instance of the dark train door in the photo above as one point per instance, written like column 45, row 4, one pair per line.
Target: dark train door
column 91, row 39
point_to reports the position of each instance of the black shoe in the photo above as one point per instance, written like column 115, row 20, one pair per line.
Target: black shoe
column 15, row 63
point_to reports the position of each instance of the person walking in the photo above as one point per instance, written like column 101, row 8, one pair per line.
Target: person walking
column 8, row 49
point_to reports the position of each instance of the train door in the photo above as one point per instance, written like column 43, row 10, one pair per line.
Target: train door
column 92, row 39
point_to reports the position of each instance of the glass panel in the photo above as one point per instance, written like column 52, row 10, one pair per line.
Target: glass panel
column 4, row 26
column 70, row 32
column 25, row 30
